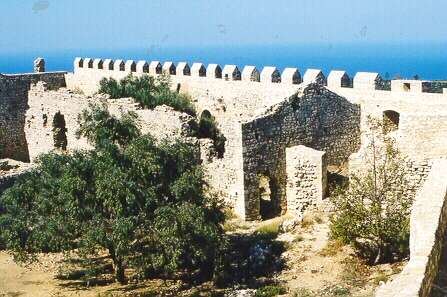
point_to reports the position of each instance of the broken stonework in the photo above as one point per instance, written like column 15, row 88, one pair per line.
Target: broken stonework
column 39, row 65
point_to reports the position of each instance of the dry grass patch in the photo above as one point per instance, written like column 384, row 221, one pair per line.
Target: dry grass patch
column 271, row 227
column 356, row 273
column 332, row 248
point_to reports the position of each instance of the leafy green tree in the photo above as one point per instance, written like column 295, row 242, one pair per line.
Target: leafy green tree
column 372, row 212
column 142, row 202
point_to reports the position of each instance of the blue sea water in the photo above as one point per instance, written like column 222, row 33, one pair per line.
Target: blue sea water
column 427, row 60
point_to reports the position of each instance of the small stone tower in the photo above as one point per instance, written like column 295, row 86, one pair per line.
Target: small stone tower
column 39, row 65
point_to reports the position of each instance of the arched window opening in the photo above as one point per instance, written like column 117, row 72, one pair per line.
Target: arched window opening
column 390, row 121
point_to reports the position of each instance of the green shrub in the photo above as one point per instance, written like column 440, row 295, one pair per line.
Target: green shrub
column 270, row 291
column 372, row 213
column 303, row 292
column 148, row 91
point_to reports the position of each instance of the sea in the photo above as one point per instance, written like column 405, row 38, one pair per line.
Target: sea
column 392, row 60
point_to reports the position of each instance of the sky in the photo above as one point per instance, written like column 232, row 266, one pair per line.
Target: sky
column 29, row 25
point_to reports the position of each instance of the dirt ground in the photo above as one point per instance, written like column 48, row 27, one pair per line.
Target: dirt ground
column 312, row 263
column 318, row 265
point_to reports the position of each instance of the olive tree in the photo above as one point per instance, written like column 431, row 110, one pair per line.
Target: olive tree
column 142, row 202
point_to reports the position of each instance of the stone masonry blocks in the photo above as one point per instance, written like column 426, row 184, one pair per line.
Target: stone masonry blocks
column 214, row 71
column 291, row 76
column 306, row 178
column 198, row 70
column 270, row 74
column 142, row 67
column 250, row 73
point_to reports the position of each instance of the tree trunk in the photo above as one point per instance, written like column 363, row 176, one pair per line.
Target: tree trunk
column 119, row 271
column 118, row 268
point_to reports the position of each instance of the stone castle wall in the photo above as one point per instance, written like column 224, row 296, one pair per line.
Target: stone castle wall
column 262, row 120
column 235, row 103
column 14, row 103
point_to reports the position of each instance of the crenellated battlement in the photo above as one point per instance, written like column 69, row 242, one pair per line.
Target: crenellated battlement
column 337, row 79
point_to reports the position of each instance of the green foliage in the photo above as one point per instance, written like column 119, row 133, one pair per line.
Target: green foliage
column 101, row 128
column 270, row 291
column 303, row 292
column 148, row 91
column 59, row 131
column 372, row 213
column 207, row 128
column 142, row 202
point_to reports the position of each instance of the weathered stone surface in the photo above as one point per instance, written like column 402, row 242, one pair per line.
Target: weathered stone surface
column 415, row 86
column 368, row 81
column 231, row 72
column 198, row 70
column 271, row 75
column 155, row 67
column 142, row 67
column 13, row 106
column 169, row 68
column 183, row 69
column 98, row 64
column 306, row 178
column 214, row 71
column 314, row 76
column 262, row 129
column 313, row 117
column 338, row 79
column 39, row 65
column 250, row 73
column 291, row 76
column 233, row 102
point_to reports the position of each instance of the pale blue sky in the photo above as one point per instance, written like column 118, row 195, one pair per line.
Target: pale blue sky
column 99, row 24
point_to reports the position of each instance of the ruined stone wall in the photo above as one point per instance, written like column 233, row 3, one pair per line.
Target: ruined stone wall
column 235, row 102
column 13, row 105
column 314, row 117
column 306, row 178
column 162, row 122
column 428, row 225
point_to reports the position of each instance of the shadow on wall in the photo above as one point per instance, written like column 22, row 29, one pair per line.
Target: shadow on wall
column 314, row 117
